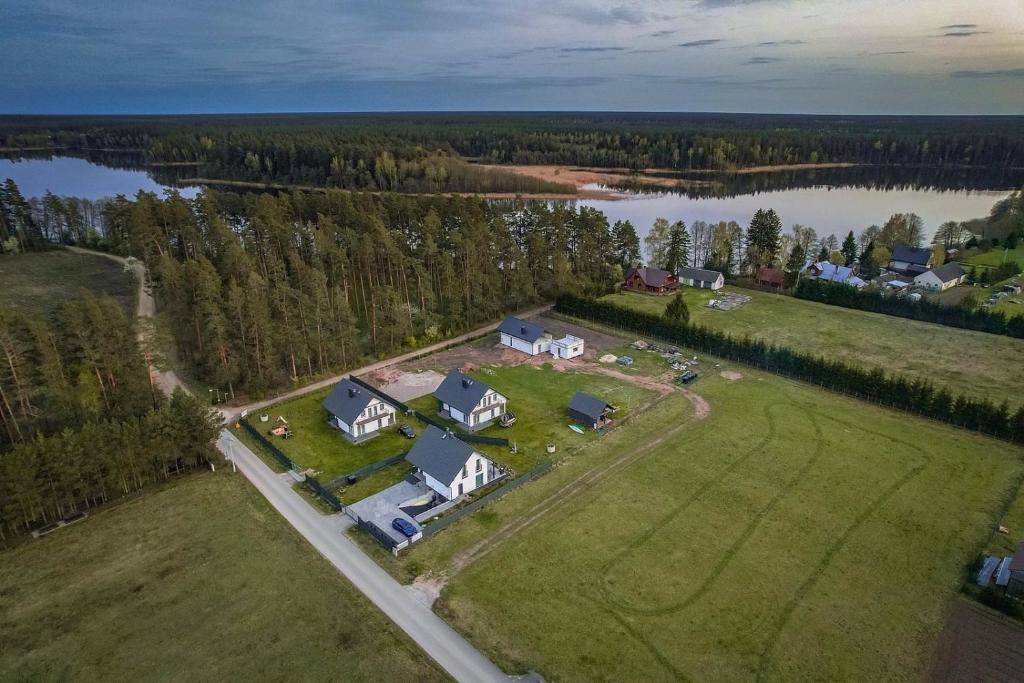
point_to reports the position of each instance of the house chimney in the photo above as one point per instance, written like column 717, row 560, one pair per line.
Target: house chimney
column 466, row 382
column 352, row 392
column 522, row 330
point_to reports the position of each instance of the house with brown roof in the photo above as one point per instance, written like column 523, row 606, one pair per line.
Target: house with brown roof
column 651, row 281
column 770, row 277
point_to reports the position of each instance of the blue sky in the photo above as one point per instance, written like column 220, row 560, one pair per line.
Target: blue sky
column 827, row 56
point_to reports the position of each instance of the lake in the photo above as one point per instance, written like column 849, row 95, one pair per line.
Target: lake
column 830, row 201
column 74, row 177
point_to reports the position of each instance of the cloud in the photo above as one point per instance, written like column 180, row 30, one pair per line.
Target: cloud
column 961, row 34
column 663, row 32
column 762, row 60
column 996, row 73
column 777, row 43
column 592, row 49
column 954, row 26
column 888, row 52
column 700, row 43
column 620, row 14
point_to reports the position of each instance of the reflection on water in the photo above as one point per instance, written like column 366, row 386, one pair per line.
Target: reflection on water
column 77, row 177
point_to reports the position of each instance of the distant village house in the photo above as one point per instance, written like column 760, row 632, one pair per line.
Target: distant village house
column 469, row 402
column 941, row 278
column 910, row 261
column 701, row 278
column 449, row 465
column 770, row 277
column 651, row 281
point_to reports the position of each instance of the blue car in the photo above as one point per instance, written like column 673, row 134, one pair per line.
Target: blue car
column 624, row 360
column 404, row 527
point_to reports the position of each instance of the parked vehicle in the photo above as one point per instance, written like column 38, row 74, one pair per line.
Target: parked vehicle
column 688, row 377
column 404, row 527
column 407, row 431
column 507, row 420
column 624, row 360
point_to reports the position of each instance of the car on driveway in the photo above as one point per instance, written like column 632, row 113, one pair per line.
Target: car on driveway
column 404, row 527
column 624, row 360
column 407, row 431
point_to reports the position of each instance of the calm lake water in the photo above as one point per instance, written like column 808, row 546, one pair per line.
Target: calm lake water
column 73, row 177
column 830, row 202
column 828, row 210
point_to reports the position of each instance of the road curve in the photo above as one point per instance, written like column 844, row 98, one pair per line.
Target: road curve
column 326, row 533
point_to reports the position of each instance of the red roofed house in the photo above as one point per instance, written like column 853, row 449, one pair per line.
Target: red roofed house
column 651, row 281
column 770, row 277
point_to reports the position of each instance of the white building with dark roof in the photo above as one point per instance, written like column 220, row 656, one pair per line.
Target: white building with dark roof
column 449, row 465
column 358, row 413
column 469, row 402
column 524, row 336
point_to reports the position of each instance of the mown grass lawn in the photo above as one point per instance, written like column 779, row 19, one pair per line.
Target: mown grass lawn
column 996, row 256
column 199, row 581
column 38, row 282
column 539, row 397
column 315, row 444
column 790, row 535
column 978, row 364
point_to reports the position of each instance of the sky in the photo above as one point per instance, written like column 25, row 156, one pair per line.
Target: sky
column 793, row 56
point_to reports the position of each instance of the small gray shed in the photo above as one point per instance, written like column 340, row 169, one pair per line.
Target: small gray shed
column 589, row 410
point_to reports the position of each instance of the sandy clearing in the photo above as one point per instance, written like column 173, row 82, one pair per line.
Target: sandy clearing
column 731, row 375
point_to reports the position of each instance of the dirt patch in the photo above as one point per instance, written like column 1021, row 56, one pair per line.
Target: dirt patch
column 978, row 644
column 427, row 588
column 731, row 375
column 581, row 177
column 405, row 386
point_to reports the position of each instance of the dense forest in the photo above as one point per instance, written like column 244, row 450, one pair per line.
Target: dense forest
column 423, row 152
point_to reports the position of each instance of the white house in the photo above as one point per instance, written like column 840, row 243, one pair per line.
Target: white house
column 941, row 278
column 700, row 278
column 357, row 412
column 524, row 336
column 468, row 401
column 567, row 347
column 449, row 465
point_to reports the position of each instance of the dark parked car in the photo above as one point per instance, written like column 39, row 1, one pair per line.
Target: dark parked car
column 407, row 432
column 624, row 360
column 404, row 527
column 687, row 376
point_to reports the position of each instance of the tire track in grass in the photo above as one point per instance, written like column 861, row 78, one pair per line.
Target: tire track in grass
column 748, row 532
column 604, row 587
column 840, row 542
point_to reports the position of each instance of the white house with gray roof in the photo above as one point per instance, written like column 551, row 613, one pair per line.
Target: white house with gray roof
column 524, row 336
column 701, row 278
column 469, row 402
column 358, row 413
column 449, row 465
column 941, row 278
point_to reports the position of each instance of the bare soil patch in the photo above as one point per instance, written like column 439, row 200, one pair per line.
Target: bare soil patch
column 731, row 375
column 427, row 588
column 583, row 176
column 978, row 644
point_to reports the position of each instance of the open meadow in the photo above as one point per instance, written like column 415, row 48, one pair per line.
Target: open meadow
column 978, row 364
column 38, row 282
column 751, row 528
column 200, row 580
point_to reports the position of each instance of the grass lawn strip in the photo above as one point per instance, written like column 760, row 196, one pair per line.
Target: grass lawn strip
column 202, row 579
column 974, row 363
column 29, row 283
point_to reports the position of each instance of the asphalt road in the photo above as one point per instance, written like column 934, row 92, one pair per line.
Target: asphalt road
column 326, row 533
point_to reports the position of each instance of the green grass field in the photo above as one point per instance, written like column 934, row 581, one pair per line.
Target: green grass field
column 975, row 363
column 789, row 535
column 995, row 256
column 201, row 580
column 38, row 282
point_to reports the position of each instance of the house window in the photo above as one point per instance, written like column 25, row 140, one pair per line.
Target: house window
column 463, row 471
column 479, row 464
column 460, row 489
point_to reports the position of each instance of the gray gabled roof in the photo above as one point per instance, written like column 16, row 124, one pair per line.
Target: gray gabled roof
column 521, row 329
column 915, row 255
column 588, row 405
column 439, row 454
column 347, row 400
column 701, row 274
column 460, row 391
column 949, row 271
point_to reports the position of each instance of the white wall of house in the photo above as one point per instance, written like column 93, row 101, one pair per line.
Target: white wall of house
column 376, row 416
column 474, row 474
column 492, row 405
column 931, row 281
column 567, row 347
column 704, row 284
column 539, row 346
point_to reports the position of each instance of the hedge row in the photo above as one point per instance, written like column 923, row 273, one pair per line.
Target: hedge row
column 993, row 322
column 914, row 396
